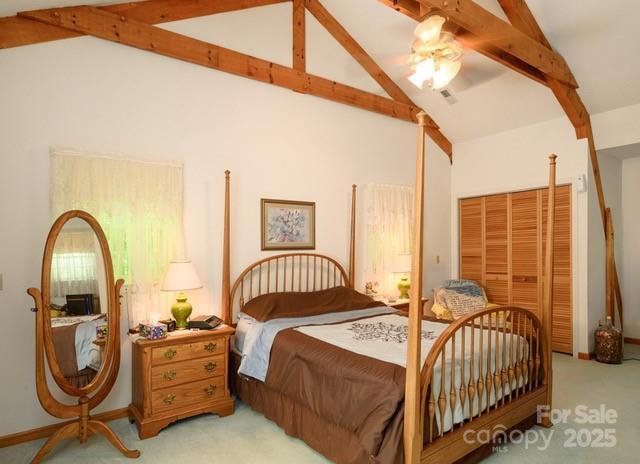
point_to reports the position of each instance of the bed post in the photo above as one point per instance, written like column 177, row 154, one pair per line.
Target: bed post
column 226, row 266
column 352, row 239
column 412, row 406
column 547, row 303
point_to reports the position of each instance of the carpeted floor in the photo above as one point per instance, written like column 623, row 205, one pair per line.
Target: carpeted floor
column 247, row 437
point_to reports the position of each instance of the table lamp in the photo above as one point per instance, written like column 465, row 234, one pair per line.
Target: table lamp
column 403, row 266
column 181, row 276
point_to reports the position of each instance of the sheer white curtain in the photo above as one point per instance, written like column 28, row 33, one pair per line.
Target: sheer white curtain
column 389, row 218
column 139, row 206
column 73, row 265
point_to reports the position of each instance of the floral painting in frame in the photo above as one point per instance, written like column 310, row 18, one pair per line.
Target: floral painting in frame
column 288, row 225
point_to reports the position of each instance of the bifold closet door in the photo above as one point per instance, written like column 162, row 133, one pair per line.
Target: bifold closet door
column 502, row 240
column 496, row 249
column 562, row 275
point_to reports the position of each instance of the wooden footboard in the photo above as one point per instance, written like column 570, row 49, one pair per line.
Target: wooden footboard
column 486, row 372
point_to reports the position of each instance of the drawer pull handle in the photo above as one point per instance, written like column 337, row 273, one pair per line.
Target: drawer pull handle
column 210, row 367
column 170, row 353
column 210, row 347
column 210, row 390
column 169, row 399
column 169, row 375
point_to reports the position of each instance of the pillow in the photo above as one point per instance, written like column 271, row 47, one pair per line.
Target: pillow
column 301, row 304
column 458, row 304
column 438, row 307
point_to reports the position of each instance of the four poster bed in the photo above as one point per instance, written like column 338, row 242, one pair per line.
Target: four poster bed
column 361, row 383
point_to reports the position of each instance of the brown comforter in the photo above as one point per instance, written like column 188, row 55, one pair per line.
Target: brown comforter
column 64, row 344
column 361, row 395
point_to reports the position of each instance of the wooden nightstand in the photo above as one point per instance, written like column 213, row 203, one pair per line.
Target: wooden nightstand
column 180, row 376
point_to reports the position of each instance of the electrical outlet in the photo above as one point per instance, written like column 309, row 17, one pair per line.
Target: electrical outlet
column 437, row 259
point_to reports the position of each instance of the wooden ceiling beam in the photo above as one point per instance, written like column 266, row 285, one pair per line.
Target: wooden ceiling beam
column 16, row 31
column 490, row 29
column 299, row 36
column 351, row 45
column 354, row 49
column 521, row 17
column 103, row 24
column 411, row 8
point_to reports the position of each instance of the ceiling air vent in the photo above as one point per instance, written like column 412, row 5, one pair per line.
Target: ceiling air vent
column 449, row 96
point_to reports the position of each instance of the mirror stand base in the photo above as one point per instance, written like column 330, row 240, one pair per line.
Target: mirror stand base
column 75, row 430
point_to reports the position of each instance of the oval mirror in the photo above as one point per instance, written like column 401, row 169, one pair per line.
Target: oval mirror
column 78, row 296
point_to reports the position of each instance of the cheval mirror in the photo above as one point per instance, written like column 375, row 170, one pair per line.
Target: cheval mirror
column 78, row 327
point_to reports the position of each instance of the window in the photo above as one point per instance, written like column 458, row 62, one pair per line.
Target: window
column 139, row 206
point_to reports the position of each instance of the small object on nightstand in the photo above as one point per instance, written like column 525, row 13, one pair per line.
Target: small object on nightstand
column 153, row 331
column 205, row 322
column 181, row 276
column 183, row 375
column 170, row 323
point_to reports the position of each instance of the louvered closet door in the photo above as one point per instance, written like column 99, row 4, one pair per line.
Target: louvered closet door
column 562, row 293
column 502, row 240
column 496, row 248
column 525, row 251
column 471, row 239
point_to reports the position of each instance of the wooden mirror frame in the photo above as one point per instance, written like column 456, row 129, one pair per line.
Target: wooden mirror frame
column 102, row 384
column 47, row 259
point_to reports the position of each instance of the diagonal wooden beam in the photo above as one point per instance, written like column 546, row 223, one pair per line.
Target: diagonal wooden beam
column 299, row 36
column 493, row 30
column 351, row 45
column 16, row 31
column 121, row 29
column 521, row 17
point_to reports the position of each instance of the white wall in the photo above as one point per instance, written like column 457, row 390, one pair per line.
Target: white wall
column 631, row 246
column 88, row 94
column 517, row 160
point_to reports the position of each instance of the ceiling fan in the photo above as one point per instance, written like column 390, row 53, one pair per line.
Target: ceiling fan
column 436, row 59
column 435, row 54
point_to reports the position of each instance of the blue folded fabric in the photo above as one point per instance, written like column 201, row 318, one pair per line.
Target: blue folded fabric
column 463, row 286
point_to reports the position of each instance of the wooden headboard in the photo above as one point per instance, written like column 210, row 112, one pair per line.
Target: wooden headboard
column 291, row 272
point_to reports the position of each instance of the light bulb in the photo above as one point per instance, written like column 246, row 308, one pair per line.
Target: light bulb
column 426, row 68
column 429, row 29
column 445, row 73
column 416, row 80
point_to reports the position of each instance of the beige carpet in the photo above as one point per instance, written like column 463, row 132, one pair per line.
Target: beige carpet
column 247, row 437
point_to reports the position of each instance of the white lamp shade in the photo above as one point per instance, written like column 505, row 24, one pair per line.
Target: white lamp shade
column 402, row 264
column 429, row 29
column 181, row 275
column 447, row 71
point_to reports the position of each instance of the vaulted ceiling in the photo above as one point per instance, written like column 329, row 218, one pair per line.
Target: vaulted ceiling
column 599, row 40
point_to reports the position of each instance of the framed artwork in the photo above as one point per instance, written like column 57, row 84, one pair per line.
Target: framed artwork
column 288, row 225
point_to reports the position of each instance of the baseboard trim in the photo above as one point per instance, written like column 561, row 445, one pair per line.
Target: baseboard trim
column 586, row 356
column 48, row 430
column 633, row 341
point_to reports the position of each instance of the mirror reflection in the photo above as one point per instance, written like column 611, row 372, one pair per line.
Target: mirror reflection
column 78, row 295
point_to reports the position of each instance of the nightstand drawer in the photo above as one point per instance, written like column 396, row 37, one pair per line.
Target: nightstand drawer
column 175, row 353
column 177, row 373
column 186, row 394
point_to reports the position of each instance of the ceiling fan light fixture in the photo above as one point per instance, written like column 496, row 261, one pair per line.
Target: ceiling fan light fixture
column 435, row 54
column 445, row 73
column 416, row 80
column 428, row 31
